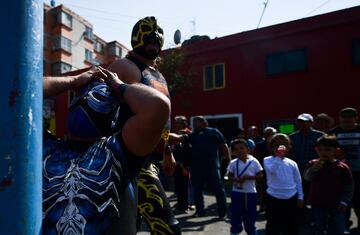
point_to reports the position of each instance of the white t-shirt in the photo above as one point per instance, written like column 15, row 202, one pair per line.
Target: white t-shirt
column 236, row 166
column 283, row 178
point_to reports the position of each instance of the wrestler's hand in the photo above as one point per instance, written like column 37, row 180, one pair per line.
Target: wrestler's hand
column 168, row 163
column 82, row 79
column 110, row 78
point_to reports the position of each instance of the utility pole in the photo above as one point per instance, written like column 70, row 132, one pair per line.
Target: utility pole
column 21, row 95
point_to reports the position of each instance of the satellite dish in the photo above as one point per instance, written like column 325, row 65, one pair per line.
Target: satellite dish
column 177, row 37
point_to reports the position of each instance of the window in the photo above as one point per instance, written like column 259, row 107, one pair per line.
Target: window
column 226, row 123
column 286, row 62
column 88, row 55
column 64, row 18
column 88, row 33
column 99, row 47
column 214, row 77
column 287, row 128
column 356, row 52
column 63, row 43
column 60, row 68
column 114, row 51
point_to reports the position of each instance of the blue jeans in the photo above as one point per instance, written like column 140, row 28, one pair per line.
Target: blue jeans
column 243, row 210
column 329, row 219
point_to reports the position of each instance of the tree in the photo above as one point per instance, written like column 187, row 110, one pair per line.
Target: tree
column 172, row 67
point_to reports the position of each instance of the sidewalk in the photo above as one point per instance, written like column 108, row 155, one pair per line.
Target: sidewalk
column 211, row 225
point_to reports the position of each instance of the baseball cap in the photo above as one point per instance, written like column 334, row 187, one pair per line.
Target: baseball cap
column 348, row 112
column 180, row 118
column 305, row 117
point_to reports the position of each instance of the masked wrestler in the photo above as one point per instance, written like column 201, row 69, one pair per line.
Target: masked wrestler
column 89, row 178
column 140, row 66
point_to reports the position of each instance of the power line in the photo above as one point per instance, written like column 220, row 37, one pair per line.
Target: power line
column 193, row 23
column 117, row 20
column 102, row 11
column 106, row 19
column 318, row 7
column 169, row 20
column 263, row 12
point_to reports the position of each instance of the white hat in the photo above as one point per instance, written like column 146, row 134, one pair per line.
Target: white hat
column 305, row 117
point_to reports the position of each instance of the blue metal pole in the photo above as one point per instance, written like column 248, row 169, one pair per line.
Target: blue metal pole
column 21, row 63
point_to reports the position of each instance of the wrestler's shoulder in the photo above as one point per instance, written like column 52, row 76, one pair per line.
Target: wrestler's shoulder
column 126, row 70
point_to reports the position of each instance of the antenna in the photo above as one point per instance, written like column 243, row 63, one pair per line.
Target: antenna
column 193, row 22
column 262, row 14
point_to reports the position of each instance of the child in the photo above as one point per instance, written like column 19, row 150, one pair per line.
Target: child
column 331, row 187
column 284, row 192
column 243, row 170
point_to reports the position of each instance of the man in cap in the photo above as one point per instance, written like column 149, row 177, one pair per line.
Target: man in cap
column 303, row 141
column 89, row 178
column 348, row 135
column 303, row 149
column 140, row 66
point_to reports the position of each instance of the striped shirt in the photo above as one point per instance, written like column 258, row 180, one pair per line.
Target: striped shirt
column 349, row 142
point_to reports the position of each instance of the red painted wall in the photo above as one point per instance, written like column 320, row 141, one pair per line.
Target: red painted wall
column 330, row 83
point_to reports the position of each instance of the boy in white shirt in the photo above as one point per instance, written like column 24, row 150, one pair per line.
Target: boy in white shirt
column 284, row 189
column 243, row 170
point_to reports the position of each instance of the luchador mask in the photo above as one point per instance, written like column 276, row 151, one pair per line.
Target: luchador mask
column 146, row 31
column 92, row 112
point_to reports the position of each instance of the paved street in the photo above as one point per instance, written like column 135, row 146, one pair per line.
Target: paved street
column 210, row 225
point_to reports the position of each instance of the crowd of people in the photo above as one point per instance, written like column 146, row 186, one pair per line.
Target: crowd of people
column 310, row 176
column 103, row 178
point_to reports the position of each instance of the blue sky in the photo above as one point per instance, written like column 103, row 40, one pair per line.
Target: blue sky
column 114, row 19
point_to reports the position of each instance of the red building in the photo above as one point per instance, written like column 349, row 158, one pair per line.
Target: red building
column 270, row 75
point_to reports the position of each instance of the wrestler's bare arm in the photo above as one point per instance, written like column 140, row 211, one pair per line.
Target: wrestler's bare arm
column 56, row 85
column 151, row 109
